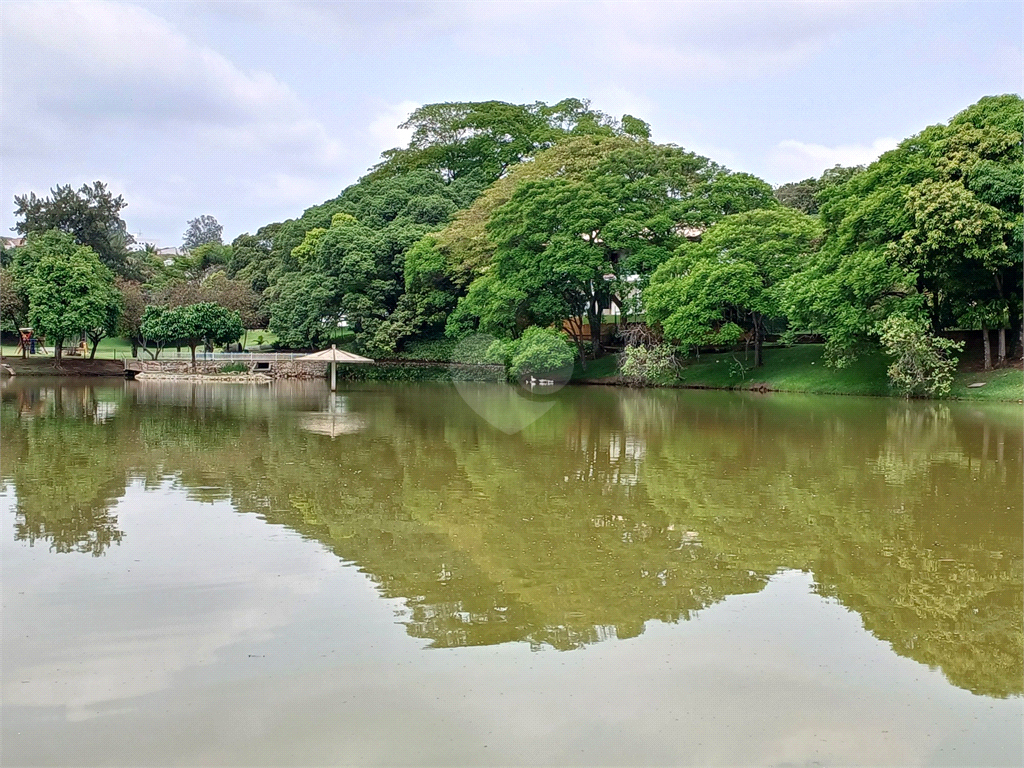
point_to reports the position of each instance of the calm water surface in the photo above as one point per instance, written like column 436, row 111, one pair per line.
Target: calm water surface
column 241, row 575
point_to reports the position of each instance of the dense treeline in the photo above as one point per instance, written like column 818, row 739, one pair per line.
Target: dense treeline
column 500, row 217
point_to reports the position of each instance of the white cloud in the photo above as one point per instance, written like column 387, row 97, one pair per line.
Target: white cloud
column 117, row 60
column 656, row 39
column 101, row 89
column 383, row 129
column 793, row 160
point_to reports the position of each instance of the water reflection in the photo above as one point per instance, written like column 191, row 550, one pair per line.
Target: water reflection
column 613, row 509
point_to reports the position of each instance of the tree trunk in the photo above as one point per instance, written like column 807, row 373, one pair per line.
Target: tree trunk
column 193, row 348
column 988, row 348
column 595, row 332
column 92, row 352
column 58, row 352
column 1002, row 347
column 135, row 348
column 758, row 341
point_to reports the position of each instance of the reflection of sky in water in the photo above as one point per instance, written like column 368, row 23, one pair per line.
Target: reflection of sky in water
column 214, row 637
column 253, row 646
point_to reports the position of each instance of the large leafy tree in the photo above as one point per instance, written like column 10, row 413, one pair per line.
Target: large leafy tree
column 730, row 284
column 803, row 195
column 929, row 231
column 572, row 248
column 13, row 302
column 133, row 304
column 351, row 263
column 192, row 325
column 252, row 256
column 202, row 230
column 484, row 140
column 113, row 307
column 90, row 214
column 69, row 290
column 463, row 250
column 456, row 151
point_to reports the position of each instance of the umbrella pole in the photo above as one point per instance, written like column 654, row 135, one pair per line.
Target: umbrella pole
column 334, row 376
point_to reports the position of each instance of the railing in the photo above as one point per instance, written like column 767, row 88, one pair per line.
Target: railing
column 227, row 357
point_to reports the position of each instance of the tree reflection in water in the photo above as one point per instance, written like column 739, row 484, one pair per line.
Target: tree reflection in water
column 615, row 508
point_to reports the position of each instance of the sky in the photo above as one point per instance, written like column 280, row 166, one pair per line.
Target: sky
column 254, row 111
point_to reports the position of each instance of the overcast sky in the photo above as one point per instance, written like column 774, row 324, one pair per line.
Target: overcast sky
column 254, row 111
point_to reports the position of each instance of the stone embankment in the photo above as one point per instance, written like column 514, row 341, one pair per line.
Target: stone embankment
column 214, row 370
column 250, row 378
column 70, row 366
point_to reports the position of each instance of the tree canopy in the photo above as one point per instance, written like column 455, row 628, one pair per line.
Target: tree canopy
column 575, row 247
column 90, row 214
column 69, row 291
column 499, row 217
column 192, row 325
column 728, row 286
column 202, row 230
column 931, row 230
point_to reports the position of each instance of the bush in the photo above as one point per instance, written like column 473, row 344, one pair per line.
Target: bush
column 542, row 352
column 234, row 368
column 643, row 364
column 922, row 364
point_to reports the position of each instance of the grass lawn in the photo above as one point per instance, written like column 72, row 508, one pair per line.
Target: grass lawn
column 801, row 369
column 108, row 349
column 1004, row 384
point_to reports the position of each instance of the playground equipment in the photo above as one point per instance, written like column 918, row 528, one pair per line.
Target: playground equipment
column 28, row 343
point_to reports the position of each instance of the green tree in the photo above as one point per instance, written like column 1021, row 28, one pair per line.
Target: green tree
column 351, row 259
column 154, row 329
column 959, row 247
column 192, row 325
column 113, row 307
column 91, row 214
column 573, row 248
column 133, row 305
column 799, row 195
column 69, row 290
column 253, row 257
column 482, row 141
column 726, row 287
column 922, row 362
column 13, row 302
column 919, row 230
column 203, row 230
column 542, row 352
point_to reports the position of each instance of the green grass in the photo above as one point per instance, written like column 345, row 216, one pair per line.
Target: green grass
column 108, row 349
column 1004, row 384
column 793, row 369
column 250, row 338
column 801, row 369
column 597, row 369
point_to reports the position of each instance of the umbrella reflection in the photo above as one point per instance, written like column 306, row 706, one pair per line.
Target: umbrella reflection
column 337, row 420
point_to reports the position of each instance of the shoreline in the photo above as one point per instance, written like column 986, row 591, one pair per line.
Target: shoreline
column 765, row 389
column 798, row 370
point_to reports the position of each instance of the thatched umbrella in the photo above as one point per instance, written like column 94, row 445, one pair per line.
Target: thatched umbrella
column 333, row 356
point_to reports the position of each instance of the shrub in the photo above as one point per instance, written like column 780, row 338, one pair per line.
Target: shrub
column 922, row 364
column 234, row 368
column 644, row 364
column 538, row 352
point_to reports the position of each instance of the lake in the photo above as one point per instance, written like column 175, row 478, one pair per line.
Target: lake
column 233, row 574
